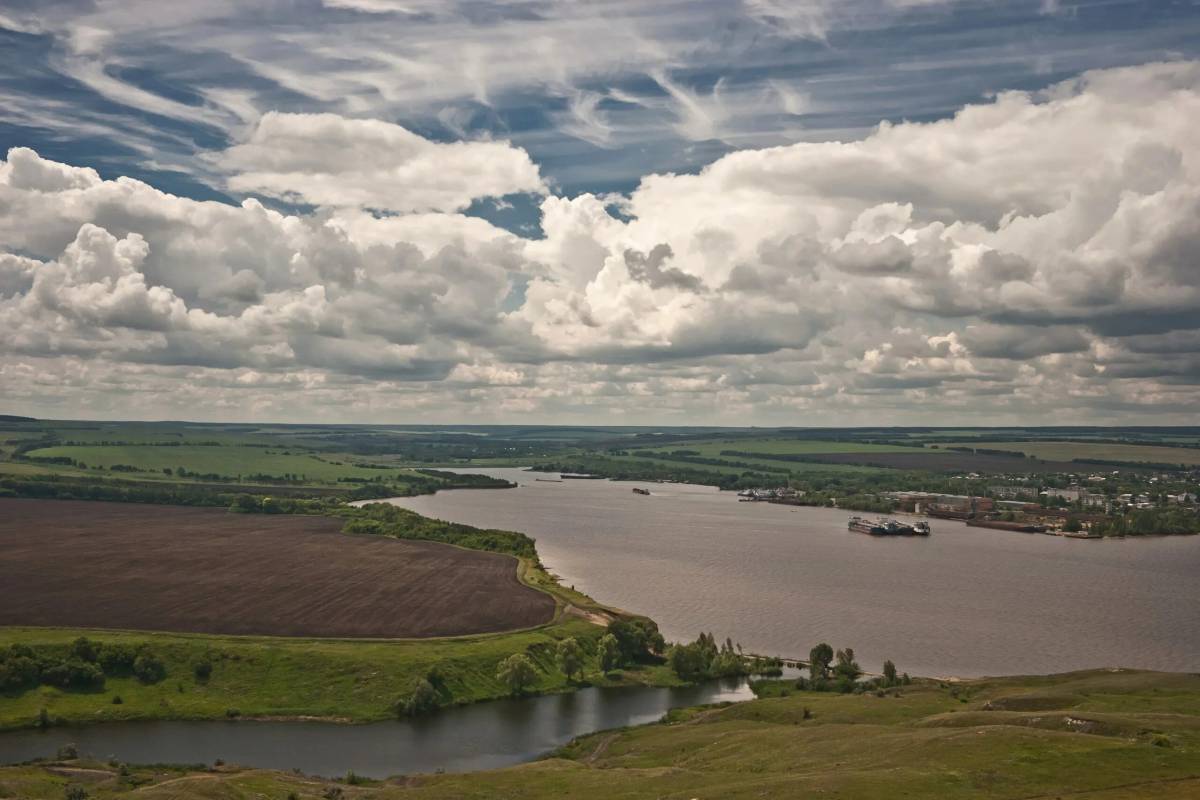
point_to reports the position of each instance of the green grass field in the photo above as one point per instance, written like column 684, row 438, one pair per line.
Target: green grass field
column 150, row 433
column 24, row 468
column 782, row 446
column 228, row 461
column 790, row 466
column 1087, row 736
column 352, row 680
column 1068, row 451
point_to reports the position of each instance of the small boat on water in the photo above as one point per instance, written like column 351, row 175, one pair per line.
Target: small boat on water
column 640, row 490
column 921, row 528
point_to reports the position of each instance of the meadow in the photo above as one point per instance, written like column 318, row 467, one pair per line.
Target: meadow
column 1103, row 451
column 1100, row 735
column 227, row 461
column 259, row 676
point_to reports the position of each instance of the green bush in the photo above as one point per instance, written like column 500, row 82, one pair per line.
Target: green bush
column 149, row 668
column 202, row 669
column 424, row 699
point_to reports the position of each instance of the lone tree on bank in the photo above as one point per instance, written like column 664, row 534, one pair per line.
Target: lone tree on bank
column 610, row 652
column 423, row 699
column 570, row 657
column 889, row 673
column 819, row 659
column 517, row 672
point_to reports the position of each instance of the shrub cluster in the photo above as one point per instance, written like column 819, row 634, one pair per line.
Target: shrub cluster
column 83, row 665
column 637, row 641
column 703, row 658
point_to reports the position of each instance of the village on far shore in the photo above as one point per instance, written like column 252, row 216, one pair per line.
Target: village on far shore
column 1077, row 506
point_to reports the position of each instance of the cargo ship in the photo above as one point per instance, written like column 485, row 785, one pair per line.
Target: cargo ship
column 1005, row 525
column 862, row 525
column 887, row 527
column 947, row 512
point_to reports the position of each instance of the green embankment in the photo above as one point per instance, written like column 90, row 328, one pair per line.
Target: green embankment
column 1098, row 735
column 349, row 680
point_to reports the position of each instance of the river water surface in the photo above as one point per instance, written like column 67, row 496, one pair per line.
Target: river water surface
column 964, row 601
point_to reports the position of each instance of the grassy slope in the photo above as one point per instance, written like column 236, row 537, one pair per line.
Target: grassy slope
column 266, row 676
column 1087, row 735
column 1067, row 451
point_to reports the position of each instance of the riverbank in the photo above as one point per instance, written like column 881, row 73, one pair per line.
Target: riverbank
column 337, row 680
column 1111, row 734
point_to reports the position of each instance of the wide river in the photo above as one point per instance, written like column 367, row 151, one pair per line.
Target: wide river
column 779, row 579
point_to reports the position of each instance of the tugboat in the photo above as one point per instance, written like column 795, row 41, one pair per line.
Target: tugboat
column 921, row 528
column 862, row 525
column 640, row 490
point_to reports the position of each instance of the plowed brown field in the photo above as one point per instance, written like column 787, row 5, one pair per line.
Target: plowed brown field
column 86, row 564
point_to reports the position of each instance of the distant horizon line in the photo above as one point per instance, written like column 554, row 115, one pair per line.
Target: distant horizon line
column 4, row 417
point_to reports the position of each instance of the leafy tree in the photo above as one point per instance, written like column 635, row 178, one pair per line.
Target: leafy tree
column 846, row 670
column 517, row 672
column 117, row 658
column 1072, row 525
column 819, row 659
column 73, row 674
column 847, row 667
column 610, row 652
column 638, row 638
column 423, row 699
column 18, row 672
column 570, row 657
column 687, row 660
column 202, row 669
column 703, row 658
column 84, row 649
column 149, row 668
column 889, row 673
column 244, row 503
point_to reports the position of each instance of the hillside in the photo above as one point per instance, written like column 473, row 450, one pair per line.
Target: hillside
column 1100, row 735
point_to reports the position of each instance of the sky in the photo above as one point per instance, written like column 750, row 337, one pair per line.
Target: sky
column 746, row 212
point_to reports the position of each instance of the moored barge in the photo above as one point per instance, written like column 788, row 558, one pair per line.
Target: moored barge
column 1005, row 525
